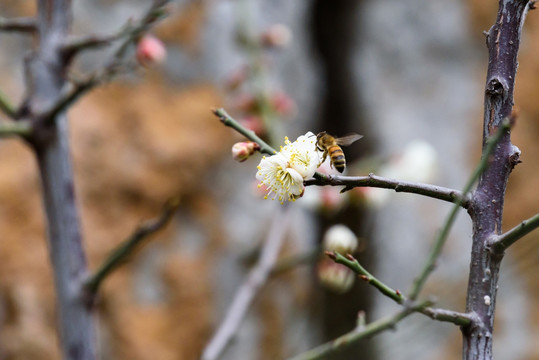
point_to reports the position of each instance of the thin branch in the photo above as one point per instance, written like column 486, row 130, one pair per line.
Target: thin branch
column 124, row 250
column 23, row 25
column 116, row 64
column 361, row 332
column 78, row 89
column 131, row 31
column 293, row 261
column 460, row 319
column 250, row 288
column 457, row 318
column 501, row 242
column 6, row 106
column 157, row 12
column 227, row 120
column 350, row 262
column 20, row 128
column 437, row 192
column 371, row 180
column 75, row 45
column 439, row 242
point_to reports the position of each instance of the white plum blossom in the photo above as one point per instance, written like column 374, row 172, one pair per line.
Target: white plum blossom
column 283, row 173
column 302, row 154
column 281, row 180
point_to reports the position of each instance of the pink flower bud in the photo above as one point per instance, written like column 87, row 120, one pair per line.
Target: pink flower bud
column 245, row 102
column 150, row 51
column 276, row 36
column 283, row 104
column 236, row 79
column 254, row 123
column 242, row 150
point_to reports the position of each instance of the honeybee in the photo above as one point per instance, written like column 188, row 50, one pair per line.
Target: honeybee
column 330, row 145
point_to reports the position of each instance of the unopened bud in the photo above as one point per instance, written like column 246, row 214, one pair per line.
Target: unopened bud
column 245, row 102
column 236, row 79
column 150, row 51
column 242, row 150
column 254, row 123
column 334, row 276
column 276, row 36
column 283, row 104
column 341, row 239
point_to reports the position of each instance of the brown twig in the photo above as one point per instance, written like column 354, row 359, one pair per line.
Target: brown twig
column 120, row 255
column 500, row 243
column 253, row 283
column 22, row 25
column 114, row 67
column 371, row 180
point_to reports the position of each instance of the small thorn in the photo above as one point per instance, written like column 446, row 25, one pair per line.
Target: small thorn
column 364, row 277
column 350, row 257
column 361, row 319
column 398, row 293
column 331, row 255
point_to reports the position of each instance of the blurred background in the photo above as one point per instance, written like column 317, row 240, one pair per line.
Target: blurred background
column 408, row 75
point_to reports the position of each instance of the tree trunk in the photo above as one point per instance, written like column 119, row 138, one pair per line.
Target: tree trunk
column 46, row 78
column 503, row 41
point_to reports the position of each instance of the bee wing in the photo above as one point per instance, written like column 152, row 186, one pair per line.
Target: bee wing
column 348, row 139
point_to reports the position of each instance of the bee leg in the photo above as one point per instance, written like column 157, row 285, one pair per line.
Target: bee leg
column 324, row 157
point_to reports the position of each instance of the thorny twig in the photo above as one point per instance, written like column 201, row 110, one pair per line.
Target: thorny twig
column 371, row 180
column 22, row 25
column 501, row 242
column 349, row 261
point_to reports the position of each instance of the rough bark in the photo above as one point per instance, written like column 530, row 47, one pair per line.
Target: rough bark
column 46, row 70
column 503, row 41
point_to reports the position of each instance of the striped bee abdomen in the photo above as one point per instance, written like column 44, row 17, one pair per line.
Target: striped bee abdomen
column 337, row 157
